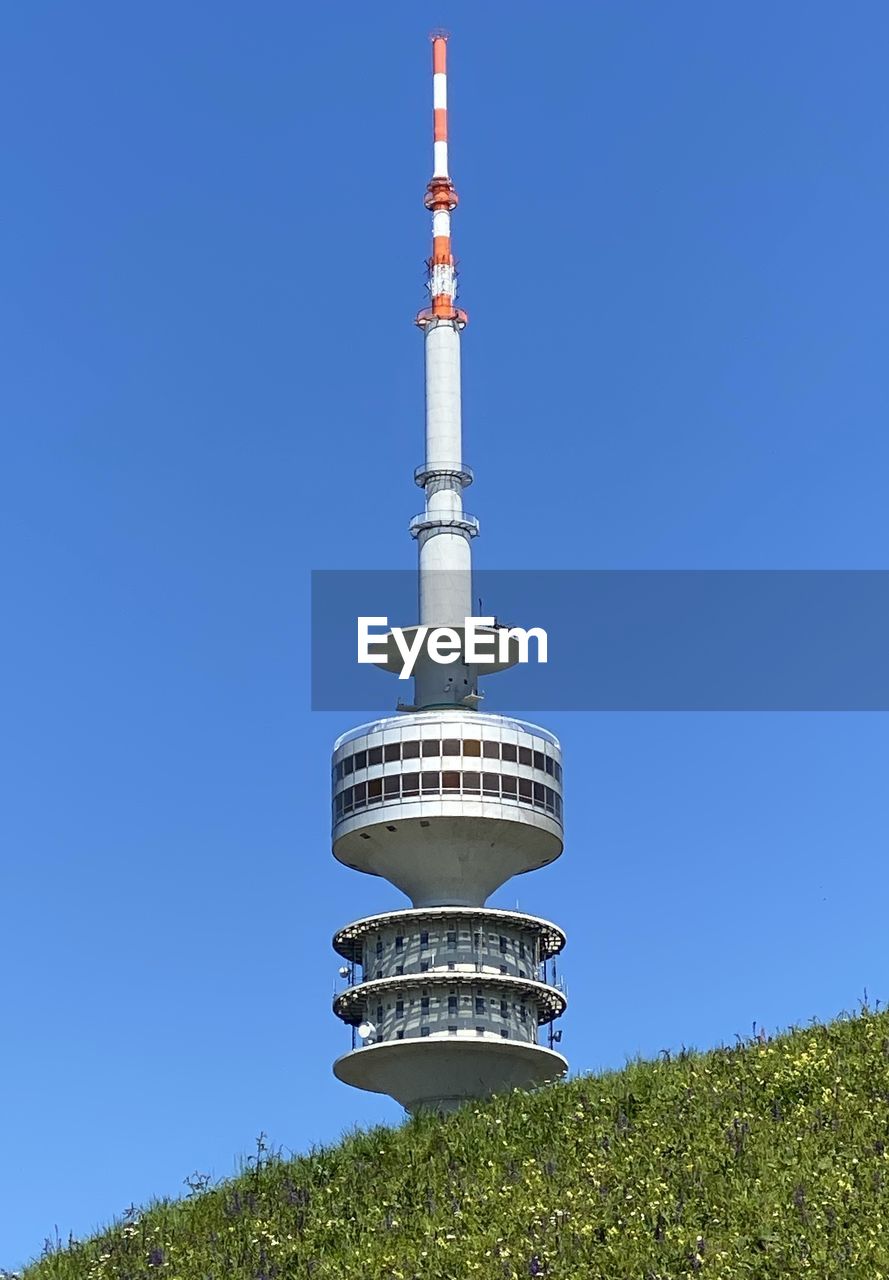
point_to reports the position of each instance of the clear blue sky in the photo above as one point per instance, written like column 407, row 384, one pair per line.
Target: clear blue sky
column 673, row 236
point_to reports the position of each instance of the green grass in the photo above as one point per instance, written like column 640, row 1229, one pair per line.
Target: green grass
column 765, row 1160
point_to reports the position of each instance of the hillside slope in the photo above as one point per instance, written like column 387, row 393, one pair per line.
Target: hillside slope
column 766, row 1160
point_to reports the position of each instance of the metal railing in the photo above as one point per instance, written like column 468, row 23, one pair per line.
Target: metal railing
column 454, row 470
column 460, row 520
column 403, row 729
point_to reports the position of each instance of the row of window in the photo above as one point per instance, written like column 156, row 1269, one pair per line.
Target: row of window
column 425, row 967
column 452, row 1031
column 450, row 939
column 435, row 782
column 480, row 1007
column 435, row 747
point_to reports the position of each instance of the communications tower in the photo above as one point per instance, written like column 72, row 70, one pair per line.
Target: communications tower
column 446, row 997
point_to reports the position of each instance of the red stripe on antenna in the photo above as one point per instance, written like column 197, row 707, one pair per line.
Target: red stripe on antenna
column 441, row 196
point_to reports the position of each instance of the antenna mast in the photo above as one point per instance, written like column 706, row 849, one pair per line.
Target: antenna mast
column 444, row 530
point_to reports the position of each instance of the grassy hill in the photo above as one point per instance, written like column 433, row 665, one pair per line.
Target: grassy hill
column 765, row 1160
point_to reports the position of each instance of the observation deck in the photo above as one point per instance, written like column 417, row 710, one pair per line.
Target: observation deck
column 447, row 805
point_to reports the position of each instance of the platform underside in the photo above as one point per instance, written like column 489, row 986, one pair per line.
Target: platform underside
column 448, row 852
column 443, row 1073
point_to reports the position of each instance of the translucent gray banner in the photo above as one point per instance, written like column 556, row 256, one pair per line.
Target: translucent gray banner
column 782, row 640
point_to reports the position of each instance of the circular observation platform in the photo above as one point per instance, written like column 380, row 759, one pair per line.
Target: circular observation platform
column 447, row 805
column 533, row 1003
column 471, row 939
column 443, row 1072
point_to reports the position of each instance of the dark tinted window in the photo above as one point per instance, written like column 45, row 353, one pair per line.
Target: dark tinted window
column 491, row 784
column 472, row 747
column 410, row 784
column 508, row 782
column 431, row 747
column 360, row 759
column 549, row 764
column 450, row 747
column 539, row 760
column 450, row 781
column 359, row 798
column 375, row 755
column 539, row 793
column 348, row 764
column 509, row 751
column 374, row 789
column 558, row 769
column 392, row 751
column 472, row 782
column 410, row 750
column 391, row 786
column 431, row 781
column 525, row 756
column 525, row 792
column 492, row 750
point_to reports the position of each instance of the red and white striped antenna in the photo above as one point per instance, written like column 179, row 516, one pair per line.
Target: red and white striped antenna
column 441, row 199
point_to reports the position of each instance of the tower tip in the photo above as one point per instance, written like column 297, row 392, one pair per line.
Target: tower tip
column 441, row 198
column 439, row 51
